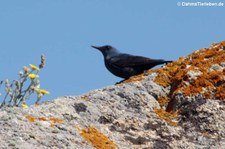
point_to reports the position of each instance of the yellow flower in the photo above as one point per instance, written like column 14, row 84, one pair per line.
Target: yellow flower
column 33, row 67
column 24, row 105
column 33, row 76
column 42, row 91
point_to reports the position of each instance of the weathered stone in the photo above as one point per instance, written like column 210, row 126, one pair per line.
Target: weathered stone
column 128, row 115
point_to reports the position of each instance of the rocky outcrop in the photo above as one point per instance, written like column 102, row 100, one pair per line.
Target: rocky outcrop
column 181, row 105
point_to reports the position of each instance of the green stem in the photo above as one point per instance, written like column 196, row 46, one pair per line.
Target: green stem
column 3, row 103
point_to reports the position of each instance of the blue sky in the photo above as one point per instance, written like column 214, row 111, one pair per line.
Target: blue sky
column 64, row 30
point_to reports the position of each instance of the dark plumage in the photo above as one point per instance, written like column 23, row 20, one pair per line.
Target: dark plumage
column 126, row 65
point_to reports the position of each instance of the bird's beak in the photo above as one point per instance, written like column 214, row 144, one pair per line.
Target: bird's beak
column 96, row 47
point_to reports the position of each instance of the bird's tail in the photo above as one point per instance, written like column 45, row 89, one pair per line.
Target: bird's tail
column 161, row 61
column 168, row 62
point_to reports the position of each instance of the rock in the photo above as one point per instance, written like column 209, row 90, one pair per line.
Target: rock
column 178, row 106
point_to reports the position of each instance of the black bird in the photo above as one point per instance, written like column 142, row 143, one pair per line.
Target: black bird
column 126, row 65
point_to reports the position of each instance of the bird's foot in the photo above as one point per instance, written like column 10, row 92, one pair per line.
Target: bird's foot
column 120, row 82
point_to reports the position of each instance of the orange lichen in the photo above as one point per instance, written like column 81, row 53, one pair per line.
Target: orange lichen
column 135, row 78
column 97, row 139
column 36, row 104
column 53, row 121
column 220, row 92
column 166, row 73
column 169, row 117
column 163, row 79
column 42, row 119
column 163, row 100
column 84, row 98
column 208, row 83
column 30, row 118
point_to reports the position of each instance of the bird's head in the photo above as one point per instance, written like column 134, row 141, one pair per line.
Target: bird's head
column 106, row 50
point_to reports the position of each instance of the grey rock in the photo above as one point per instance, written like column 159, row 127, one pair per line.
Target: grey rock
column 216, row 67
column 193, row 74
column 124, row 113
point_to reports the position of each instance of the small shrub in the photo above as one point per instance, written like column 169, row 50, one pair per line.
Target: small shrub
column 19, row 91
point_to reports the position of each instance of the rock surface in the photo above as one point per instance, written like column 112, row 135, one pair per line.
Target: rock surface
column 181, row 105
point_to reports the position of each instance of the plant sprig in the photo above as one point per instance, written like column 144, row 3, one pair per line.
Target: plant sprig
column 19, row 91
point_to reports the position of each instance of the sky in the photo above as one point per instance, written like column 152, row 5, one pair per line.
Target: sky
column 64, row 30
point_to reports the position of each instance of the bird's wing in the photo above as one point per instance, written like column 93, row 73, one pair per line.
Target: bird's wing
column 126, row 60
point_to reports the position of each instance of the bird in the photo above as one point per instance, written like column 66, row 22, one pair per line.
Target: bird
column 126, row 65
